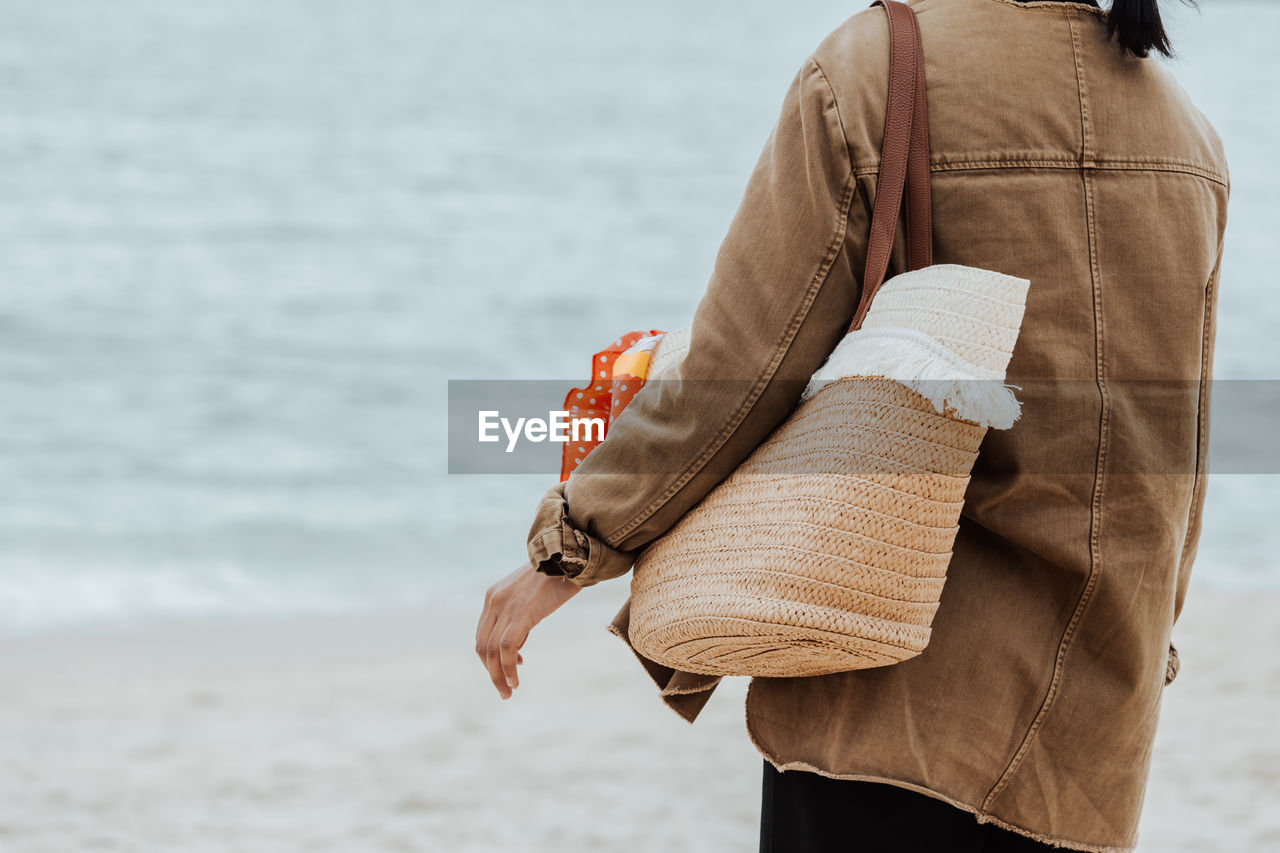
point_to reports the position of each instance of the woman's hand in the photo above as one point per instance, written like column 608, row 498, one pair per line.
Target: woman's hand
column 512, row 606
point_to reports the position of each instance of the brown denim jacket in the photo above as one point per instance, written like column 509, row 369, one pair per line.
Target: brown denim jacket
column 1055, row 159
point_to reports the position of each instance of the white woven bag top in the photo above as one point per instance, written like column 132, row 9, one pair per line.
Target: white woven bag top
column 945, row 331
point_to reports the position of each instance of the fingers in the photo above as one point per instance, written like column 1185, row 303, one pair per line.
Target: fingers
column 511, row 608
column 503, row 654
column 488, row 634
column 491, row 654
column 485, row 625
column 499, row 642
column 508, row 650
column 493, row 663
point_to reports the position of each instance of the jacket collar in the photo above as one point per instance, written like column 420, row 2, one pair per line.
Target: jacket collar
column 1087, row 5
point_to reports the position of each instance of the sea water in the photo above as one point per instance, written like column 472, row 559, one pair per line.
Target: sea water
column 244, row 245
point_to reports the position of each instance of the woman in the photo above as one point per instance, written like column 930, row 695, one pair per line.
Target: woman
column 1061, row 154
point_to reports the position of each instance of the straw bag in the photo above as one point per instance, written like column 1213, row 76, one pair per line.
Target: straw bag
column 827, row 549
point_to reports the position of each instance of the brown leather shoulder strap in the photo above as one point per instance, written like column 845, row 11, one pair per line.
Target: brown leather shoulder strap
column 919, row 196
column 904, row 158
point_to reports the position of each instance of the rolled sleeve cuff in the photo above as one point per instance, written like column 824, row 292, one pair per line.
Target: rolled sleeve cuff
column 558, row 548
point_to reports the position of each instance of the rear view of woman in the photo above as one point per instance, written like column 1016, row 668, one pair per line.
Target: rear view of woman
column 1064, row 154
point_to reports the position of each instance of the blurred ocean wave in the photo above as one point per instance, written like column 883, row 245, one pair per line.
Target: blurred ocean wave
column 243, row 246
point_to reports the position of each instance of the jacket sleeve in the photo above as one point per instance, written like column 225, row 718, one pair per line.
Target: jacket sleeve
column 784, row 287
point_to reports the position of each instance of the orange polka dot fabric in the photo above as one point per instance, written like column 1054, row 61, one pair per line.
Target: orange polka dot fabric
column 617, row 373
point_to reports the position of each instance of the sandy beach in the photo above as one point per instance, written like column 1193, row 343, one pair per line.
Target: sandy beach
column 247, row 246
column 380, row 732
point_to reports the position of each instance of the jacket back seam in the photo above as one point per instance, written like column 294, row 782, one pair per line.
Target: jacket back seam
column 1095, row 503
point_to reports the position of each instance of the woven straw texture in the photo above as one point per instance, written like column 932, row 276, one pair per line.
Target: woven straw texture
column 827, row 549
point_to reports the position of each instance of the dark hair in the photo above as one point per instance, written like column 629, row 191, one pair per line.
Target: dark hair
column 1137, row 28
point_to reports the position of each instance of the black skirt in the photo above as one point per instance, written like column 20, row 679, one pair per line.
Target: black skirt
column 803, row 812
